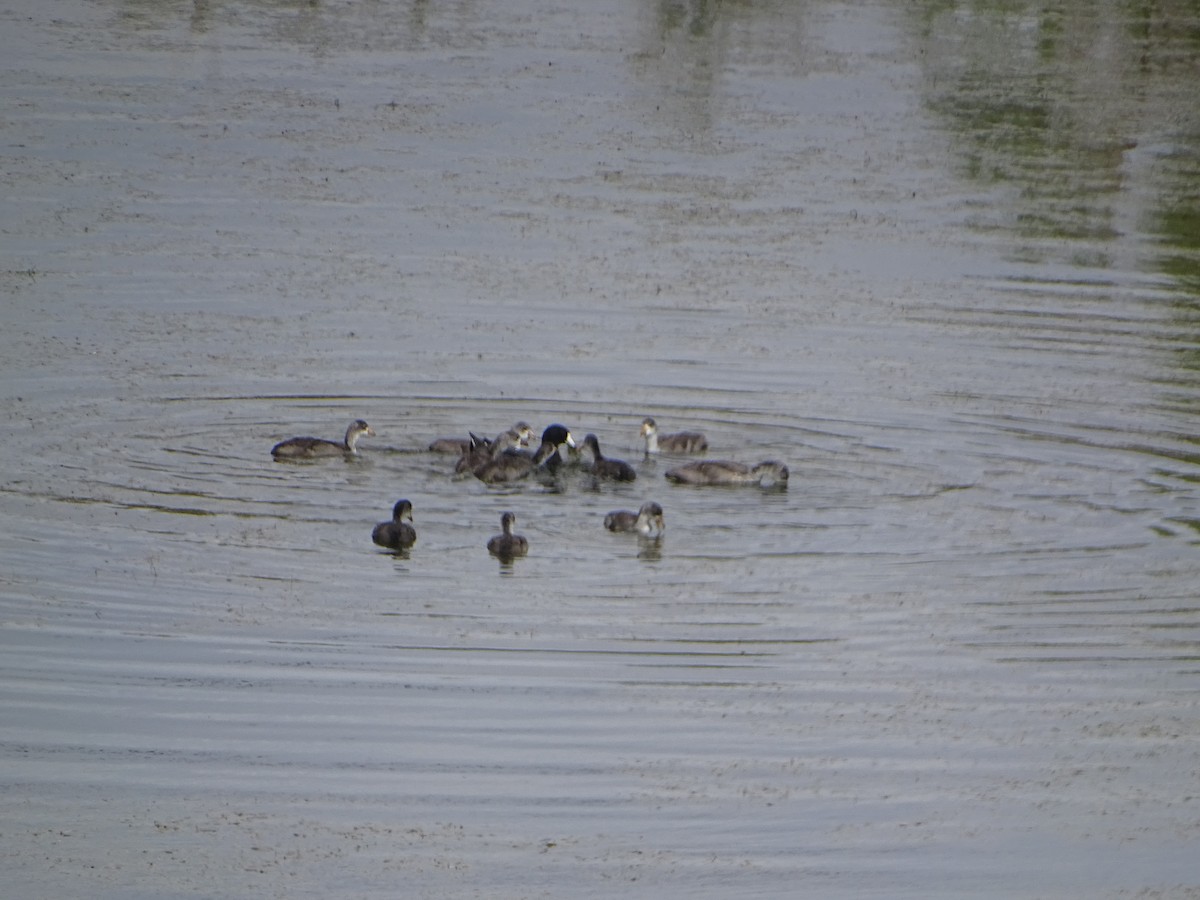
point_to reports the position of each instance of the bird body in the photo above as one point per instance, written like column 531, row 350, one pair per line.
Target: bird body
column 603, row 467
column 647, row 520
column 679, row 442
column 513, row 464
column 396, row 534
column 311, row 447
column 722, row 472
column 482, row 451
column 507, row 545
column 520, row 431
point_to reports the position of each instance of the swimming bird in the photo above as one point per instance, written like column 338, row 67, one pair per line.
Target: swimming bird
column 521, row 430
column 483, row 451
column 396, row 534
column 513, row 464
column 310, row 447
column 475, row 452
column 603, row 467
column 557, row 436
column 646, row 520
column 719, row 471
column 679, row 442
column 508, row 545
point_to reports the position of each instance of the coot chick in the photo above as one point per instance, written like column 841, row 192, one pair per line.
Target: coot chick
column 396, row 534
column 646, row 520
column 311, row 447
column 483, row 451
column 716, row 471
column 602, row 467
column 508, row 545
column 679, row 442
column 521, row 430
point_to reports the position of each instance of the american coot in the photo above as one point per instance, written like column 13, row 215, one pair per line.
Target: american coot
column 616, row 469
column 715, row 471
column 310, row 447
column 508, row 545
column 396, row 534
column 647, row 520
column 680, row 442
column 513, row 465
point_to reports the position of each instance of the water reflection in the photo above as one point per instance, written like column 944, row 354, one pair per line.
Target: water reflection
column 1048, row 101
column 1176, row 221
column 1080, row 126
column 318, row 27
column 650, row 548
column 506, row 564
column 691, row 18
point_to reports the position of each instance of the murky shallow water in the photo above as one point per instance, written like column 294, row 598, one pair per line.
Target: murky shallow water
column 910, row 251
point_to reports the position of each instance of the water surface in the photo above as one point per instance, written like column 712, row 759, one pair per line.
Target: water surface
column 941, row 259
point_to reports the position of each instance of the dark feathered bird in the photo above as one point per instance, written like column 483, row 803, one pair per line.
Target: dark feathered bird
column 719, row 471
column 310, row 447
column 396, row 534
column 679, row 442
column 507, row 545
column 513, row 465
column 603, row 467
column 647, row 520
column 520, row 430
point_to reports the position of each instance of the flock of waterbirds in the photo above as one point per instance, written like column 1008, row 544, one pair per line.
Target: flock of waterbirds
column 507, row 458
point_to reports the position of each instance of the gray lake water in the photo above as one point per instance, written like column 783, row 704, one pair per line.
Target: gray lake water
column 942, row 259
